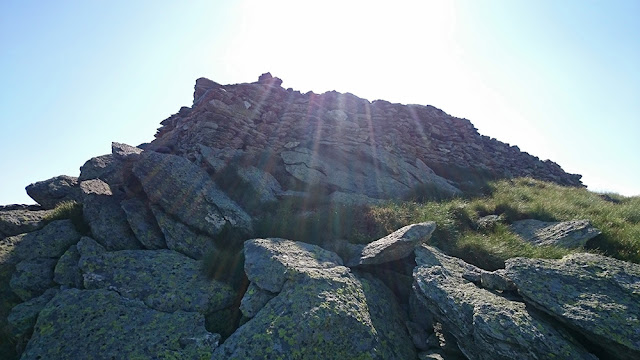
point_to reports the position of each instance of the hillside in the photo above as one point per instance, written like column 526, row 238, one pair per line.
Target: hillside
column 263, row 223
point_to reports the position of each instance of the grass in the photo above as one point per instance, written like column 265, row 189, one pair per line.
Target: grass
column 616, row 216
column 70, row 210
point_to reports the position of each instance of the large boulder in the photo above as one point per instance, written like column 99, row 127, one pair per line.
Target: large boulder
column 485, row 324
column 107, row 220
column 54, row 191
column 67, row 272
column 163, row 279
column 143, row 224
column 186, row 191
column 33, row 277
column 50, row 241
column 568, row 234
column 181, row 238
column 23, row 316
column 394, row 246
column 100, row 324
column 320, row 309
column 595, row 295
column 20, row 219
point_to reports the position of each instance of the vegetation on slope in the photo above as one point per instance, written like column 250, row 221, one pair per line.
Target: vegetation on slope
column 616, row 216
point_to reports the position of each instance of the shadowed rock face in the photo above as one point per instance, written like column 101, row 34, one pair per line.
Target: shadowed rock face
column 343, row 142
column 595, row 295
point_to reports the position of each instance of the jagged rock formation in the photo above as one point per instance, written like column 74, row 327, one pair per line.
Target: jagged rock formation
column 169, row 264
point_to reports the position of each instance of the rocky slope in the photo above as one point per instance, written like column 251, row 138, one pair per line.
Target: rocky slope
column 163, row 261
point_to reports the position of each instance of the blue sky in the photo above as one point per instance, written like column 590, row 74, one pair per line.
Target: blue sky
column 560, row 79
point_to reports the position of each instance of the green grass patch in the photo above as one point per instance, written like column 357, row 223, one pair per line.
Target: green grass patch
column 70, row 210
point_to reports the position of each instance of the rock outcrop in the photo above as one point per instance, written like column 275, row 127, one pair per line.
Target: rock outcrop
column 568, row 234
column 168, row 257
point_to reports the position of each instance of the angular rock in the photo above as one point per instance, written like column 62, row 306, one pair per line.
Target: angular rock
column 264, row 185
column 143, row 224
column 107, row 220
column 23, row 316
column 345, row 315
column 124, row 152
column 33, row 277
column 186, row 191
column 163, row 279
column 100, row 324
column 496, row 280
column 67, row 271
column 593, row 294
column 52, row 192
column 486, row 325
column 89, row 247
column 181, row 238
column 394, row 246
column 254, row 299
column 102, row 167
column 568, row 234
column 16, row 220
column 50, row 241
column 487, row 222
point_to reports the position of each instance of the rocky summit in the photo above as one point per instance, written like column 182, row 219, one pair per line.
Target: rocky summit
column 170, row 250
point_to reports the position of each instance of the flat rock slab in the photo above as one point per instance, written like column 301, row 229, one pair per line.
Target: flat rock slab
column 394, row 246
column 568, row 234
column 595, row 295
column 54, row 191
column 163, row 279
column 100, row 324
column 143, row 224
column 180, row 237
column 21, row 220
column 50, row 241
column 321, row 310
column 486, row 325
column 186, row 191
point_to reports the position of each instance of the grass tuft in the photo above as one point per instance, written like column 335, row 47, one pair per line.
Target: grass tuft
column 70, row 210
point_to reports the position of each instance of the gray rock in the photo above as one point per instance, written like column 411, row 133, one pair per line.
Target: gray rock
column 19, row 221
column 254, row 299
column 487, row 222
column 163, row 279
column 143, row 224
column 418, row 335
column 345, row 315
column 107, row 220
column 23, row 316
column 50, row 241
column 568, row 234
column 102, row 167
column 496, row 280
column 100, row 324
column 124, row 152
column 89, row 247
column 419, row 313
column 184, row 190
column 593, row 294
column 181, row 238
column 218, row 159
column 349, row 199
column 394, row 246
column 265, row 186
column 51, row 192
column 486, row 325
column 269, row 263
column 67, row 271
column 33, row 277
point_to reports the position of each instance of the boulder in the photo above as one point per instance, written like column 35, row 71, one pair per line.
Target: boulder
column 100, row 324
column 50, row 241
column 595, row 295
column 67, row 271
column 345, row 315
column 143, row 224
column 124, row 152
column 163, row 279
column 104, row 167
column 33, row 277
column 107, row 220
column 186, row 191
column 51, row 192
column 181, row 238
column 263, row 184
column 485, row 324
column 394, row 246
column 254, row 299
column 568, row 234
column 20, row 219
column 23, row 316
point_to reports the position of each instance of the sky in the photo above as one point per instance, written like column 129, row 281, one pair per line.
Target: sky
column 559, row 79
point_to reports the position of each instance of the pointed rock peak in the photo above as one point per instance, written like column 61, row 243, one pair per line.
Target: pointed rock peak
column 268, row 79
